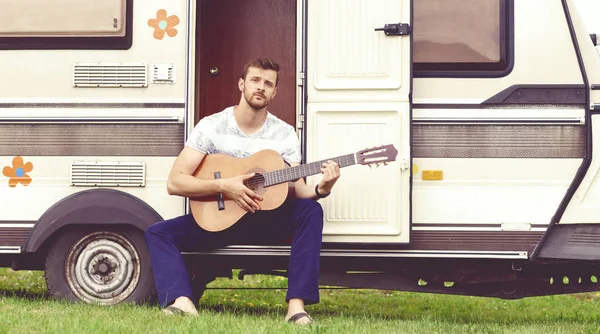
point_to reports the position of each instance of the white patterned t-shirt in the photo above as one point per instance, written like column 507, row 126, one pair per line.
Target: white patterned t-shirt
column 219, row 133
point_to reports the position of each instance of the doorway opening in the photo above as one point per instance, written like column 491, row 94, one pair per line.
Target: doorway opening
column 231, row 32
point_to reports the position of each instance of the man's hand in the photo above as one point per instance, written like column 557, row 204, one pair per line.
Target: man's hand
column 331, row 172
column 235, row 189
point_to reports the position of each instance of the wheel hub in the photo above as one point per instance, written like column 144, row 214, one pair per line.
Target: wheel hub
column 103, row 268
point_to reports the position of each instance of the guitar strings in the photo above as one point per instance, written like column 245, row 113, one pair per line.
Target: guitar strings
column 263, row 179
column 255, row 181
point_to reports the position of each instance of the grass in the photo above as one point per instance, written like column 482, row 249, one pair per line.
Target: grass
column 26, row 308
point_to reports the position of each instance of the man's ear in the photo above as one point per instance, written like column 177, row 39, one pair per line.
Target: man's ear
column 241, row 84
column 274, row 92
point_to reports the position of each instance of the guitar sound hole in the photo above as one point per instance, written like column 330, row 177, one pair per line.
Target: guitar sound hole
column 256, row 183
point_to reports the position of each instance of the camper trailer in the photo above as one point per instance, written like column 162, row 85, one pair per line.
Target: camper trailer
column 471, row 127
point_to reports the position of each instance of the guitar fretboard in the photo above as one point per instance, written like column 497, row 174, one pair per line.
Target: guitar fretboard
column 293, row 173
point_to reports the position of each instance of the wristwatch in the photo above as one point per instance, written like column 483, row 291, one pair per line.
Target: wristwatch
column 318, row 194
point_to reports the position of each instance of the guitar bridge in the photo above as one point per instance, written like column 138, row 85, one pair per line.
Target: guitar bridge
column 220, row 200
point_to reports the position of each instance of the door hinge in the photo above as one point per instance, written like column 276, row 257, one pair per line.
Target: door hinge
column 300, row 122
column 301, row 78
column 404, row 164
column 395, row 29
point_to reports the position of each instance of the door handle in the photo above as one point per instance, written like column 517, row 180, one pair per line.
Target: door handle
column 395, row 29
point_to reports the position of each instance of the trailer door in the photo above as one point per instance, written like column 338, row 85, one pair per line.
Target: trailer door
column 359, row 79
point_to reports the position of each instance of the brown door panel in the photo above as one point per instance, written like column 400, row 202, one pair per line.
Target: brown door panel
column 231, row 32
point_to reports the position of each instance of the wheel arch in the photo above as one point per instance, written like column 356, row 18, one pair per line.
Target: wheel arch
column 91, row 207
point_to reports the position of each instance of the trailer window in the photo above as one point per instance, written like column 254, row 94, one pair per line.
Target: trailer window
column 59, row 24
column 455, row 36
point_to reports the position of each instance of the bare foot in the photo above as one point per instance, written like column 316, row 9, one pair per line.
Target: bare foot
column 182, row 305
column 296, row 313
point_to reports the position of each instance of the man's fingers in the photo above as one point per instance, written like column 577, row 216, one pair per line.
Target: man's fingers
column 334, row 169
column 247, row 176
column 324, row 168
column 253, row 195
column 250, row 202
column 331, row 166
column 330, row 170
column 245, row 206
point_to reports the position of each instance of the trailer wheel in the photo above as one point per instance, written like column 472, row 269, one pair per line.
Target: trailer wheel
column 100, row 267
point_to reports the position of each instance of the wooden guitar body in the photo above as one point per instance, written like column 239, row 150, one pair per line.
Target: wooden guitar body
column 205, row 209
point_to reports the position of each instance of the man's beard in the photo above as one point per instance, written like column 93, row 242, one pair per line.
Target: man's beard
column 256, row 105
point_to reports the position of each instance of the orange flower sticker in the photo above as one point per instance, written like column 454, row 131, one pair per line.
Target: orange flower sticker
column 162, row 24
column 18, row 172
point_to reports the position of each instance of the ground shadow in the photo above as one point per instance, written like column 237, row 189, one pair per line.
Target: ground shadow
column 25, row 294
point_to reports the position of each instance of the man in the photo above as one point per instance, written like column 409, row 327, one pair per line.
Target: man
column 241, row 131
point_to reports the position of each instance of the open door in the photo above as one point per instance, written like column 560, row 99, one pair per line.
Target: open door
column 359, row 96
column 230, row 33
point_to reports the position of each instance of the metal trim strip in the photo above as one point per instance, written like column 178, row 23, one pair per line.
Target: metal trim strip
column 10, row 249
column 500, row 121
column 139, row 105
column 12, row 225
column 469, row 106
column 478, row 229
column 91, row 120
column 285, row 250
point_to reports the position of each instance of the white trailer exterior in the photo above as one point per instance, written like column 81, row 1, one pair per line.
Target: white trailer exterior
column 492, row 109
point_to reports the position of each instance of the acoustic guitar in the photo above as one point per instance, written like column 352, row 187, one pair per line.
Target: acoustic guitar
column 217, row 213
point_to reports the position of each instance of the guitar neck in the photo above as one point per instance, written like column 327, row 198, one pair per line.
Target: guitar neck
column 293, row 173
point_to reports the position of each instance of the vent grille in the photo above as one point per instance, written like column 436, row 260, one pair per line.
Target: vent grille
column 163, row 73
column 110, row 75
column 585, row 238
column 108, row 174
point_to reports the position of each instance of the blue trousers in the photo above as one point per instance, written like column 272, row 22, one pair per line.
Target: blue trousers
column 301, row 219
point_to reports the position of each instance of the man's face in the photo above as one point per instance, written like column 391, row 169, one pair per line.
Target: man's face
column 258, row 87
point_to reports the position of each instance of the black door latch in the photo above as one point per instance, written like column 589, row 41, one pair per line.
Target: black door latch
column 395, row 29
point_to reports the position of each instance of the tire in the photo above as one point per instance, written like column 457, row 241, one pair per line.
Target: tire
column 100, row 267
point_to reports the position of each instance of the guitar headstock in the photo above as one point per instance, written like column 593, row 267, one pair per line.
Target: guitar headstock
column 377, row 155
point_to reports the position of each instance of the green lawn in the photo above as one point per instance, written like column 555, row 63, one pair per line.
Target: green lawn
column 25, row 308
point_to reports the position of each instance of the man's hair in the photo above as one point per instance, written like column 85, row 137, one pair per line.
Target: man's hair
column 265, row 64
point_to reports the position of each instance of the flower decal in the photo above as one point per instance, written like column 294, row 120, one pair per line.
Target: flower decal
column 18, row 172
column 162, row 24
